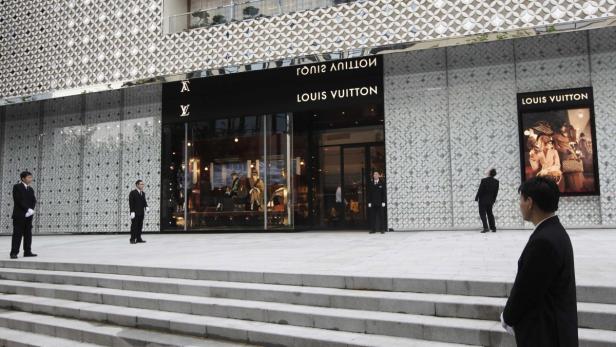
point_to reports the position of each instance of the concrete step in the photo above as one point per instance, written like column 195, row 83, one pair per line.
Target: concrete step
column 591, row 294
column 590, row 315
column 398, row 302
column 79, row 317
column 17, row 338
column 47, row 331
column 360, row 321
column 393, row 324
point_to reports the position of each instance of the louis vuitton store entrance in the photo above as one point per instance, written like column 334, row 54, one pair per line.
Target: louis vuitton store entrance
column 241, row 153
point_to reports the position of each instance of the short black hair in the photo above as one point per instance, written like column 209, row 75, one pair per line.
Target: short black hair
column 492, row 172
column 25, row 174
column 543, row 191
column 138, row 181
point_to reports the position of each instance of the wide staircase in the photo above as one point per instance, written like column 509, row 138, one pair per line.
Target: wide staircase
column 55, row 304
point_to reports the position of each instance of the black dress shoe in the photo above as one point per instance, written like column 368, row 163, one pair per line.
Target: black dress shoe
column 493, row 230
column 13, row 256
column 484, row 231
column 133, row 242
column 382, row 232
column 30, row 255
column 140, row 241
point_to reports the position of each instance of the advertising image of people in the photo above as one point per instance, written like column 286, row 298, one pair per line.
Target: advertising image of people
column 559, row 145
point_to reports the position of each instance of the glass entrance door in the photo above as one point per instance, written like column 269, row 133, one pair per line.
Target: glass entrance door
column 354, row 177
column 345, row 171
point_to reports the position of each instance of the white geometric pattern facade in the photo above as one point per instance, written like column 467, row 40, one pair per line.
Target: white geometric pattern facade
column 51, row 45
column 442, row 133
column 450, row 114
column 20, row 152
column 603, row 65
column 85, row 152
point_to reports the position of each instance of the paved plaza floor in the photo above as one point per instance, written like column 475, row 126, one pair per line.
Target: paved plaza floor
column 433, row 254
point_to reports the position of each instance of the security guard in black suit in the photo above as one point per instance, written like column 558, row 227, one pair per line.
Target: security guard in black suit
column 486, row 197
column 138, row 207
column 23, row 212
column 542, row 307
column 376, row 203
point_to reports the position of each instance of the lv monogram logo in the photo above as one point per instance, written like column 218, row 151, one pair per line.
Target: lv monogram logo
column 185, row 86
column 185, row 111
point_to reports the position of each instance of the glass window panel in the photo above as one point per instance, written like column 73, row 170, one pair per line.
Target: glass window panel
column 172, row 178
column 225, row 187
column 279, row 171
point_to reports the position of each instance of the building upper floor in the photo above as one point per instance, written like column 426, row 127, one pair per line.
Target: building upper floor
column 65, row 47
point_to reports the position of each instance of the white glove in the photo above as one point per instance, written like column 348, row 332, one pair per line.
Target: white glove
column 369, row 204
column 506, row 327
column 382, row 204
column 29, row 213
column 132, row 215
column 147, row 209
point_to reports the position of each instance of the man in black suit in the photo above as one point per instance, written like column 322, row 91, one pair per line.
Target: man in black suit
column 23, row 212
column 138, row 207
column 486, row 197
column 376, row 203
column 542, row 307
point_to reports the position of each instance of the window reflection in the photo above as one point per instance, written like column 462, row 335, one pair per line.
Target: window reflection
column 229, row 178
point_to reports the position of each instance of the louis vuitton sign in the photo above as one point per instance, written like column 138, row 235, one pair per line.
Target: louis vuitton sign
column 287, row 89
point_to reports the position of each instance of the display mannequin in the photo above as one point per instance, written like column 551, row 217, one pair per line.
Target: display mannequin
column 256, row 192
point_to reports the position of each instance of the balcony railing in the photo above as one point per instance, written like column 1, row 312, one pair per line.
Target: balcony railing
column 244, row 10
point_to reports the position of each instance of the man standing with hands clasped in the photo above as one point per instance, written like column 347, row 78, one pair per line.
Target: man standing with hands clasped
column 23, row 212
column 138, row 207
column 542, row 307
column 376, row 203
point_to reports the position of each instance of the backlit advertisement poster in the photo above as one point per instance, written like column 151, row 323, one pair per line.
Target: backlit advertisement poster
column 557, row 139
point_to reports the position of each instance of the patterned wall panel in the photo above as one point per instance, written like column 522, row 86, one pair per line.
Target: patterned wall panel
column 2, row 111
column 483, row 120
column 141, row 152
column 60, row 170
column 48, row 45
column 558, row 62
column 21, row 152
column 603, row 63
column 92, row 149
column 552, row 62
column 101, row 162
column 417, row 140
column 480, row 117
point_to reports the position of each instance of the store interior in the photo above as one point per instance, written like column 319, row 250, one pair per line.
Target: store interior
column 282, row 171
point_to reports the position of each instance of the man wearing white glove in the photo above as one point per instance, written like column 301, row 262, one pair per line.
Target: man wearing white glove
column 23, row 210
column 138, row 207
column 376, row 203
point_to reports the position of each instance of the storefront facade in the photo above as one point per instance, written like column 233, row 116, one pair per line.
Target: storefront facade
column 276, row 123
column 239, row 153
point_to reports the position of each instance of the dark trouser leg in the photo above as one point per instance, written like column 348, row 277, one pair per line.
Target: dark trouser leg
column 490, row 217
column 482, row 215
column 378, row 211
column 28, row 236
column 139, row 227
column 18, row 231
column 133, row 229
column 372, row 218
column 376, row 218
